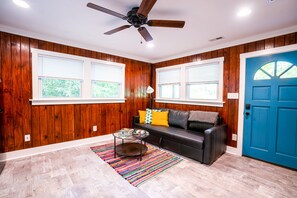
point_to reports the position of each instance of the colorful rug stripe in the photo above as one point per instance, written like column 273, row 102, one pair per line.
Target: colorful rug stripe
column 154, row 162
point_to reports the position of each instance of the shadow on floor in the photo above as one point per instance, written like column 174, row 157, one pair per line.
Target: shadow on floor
column 2, row 165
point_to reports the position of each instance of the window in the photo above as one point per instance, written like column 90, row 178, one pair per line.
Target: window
column 199, row 83
column 59, row 77
column 169, row 83
column 281, row 69
column 66, row 79
column 202, row 81
column 106, row 84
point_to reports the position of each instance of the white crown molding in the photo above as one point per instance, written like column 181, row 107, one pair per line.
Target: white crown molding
column 52, row 147
column 39, row 36
column 30, row 34
column 266, row 35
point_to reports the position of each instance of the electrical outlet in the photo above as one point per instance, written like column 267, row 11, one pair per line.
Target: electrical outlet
column 95, row 128
column 234, row 137
column 27, row 138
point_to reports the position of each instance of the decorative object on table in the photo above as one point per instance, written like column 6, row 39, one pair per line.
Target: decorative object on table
column 134, row 147
column 134, row 171
column 150, row 91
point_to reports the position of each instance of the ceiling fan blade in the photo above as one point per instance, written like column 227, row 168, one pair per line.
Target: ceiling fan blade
column 166, row 23
column 117, row 29
column 107, row 11
column 145, row 7
column 145, row 34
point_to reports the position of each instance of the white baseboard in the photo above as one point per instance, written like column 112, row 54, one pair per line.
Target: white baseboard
column 233, row 151
column 52, row 147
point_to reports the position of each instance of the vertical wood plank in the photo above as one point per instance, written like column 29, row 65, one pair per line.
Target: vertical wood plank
column 1, row 100
column 26, row 81
column 58, row 124
column 17, row 92
column 7, row 92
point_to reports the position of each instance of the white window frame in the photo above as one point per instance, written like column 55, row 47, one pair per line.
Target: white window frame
column 183, row 84
column 86, row 91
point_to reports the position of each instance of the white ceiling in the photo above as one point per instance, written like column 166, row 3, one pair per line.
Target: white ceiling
column 71, row 22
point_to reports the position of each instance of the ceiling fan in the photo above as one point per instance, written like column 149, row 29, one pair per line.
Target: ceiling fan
column 137, row 17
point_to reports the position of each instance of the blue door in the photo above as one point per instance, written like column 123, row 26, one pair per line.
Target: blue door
column 270, row 123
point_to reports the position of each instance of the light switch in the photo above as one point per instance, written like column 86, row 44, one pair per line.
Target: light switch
column 232, row 95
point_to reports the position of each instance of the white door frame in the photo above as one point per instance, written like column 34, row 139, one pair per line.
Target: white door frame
column 243, row 57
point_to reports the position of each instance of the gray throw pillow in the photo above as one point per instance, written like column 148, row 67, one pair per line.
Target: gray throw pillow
column 178, row 118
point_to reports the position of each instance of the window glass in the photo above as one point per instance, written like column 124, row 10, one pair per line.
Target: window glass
column 105, row 89
column 291, row 73
column 59, row 88
column 283, row 70
column 260, row 75
column 282, row 66
column 203, row 91
column 169, row 91
column 269, row 68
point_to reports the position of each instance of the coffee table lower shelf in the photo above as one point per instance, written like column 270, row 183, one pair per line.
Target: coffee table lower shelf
column 131, row 149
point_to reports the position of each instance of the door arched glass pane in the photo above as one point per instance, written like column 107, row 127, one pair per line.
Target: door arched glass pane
column 291, row 73
column 260, row 75
column 282, row 66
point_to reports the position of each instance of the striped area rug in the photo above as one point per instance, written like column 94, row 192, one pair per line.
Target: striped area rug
column 154, row 162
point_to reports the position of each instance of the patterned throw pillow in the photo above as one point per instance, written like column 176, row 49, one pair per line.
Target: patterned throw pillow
column 148, row 115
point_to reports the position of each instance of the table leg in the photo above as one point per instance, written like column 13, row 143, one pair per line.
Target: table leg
column 114, row 146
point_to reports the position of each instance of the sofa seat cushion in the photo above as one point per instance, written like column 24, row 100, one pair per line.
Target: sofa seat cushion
column 187, row 137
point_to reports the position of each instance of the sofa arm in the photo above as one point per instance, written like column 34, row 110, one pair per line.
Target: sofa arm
column 135, row 119
column 215, row 140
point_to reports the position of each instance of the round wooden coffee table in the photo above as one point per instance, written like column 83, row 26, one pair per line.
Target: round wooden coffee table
column 130, row 149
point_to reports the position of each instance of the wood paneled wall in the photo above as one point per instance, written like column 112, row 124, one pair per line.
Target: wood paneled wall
column 51, row 124
column 231, row 76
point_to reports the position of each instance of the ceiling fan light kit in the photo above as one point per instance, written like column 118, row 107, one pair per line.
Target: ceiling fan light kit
column 137, row 17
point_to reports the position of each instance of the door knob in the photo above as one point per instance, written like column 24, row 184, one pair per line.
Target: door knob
column 247, row 113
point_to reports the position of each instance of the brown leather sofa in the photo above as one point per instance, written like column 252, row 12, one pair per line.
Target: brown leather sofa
column 202, row 138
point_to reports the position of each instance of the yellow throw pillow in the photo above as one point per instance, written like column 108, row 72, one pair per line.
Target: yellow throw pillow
column 141, row 116
column 160, row 118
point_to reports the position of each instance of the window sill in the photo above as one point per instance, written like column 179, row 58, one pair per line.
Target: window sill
column 192, row 102
column 76, row 101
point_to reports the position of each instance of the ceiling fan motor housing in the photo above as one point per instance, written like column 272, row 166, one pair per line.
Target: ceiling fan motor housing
column 134, row 19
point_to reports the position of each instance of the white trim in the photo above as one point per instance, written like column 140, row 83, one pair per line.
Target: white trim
column 191, row 102
column 257, row 37
column 52, row 147
column 96, row 48
column 242, row 69
column 76, row 101
column 75, row 57
column 233, row 151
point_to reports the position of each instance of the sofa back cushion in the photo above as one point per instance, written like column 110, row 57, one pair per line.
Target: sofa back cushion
column 178, row 118
column 202, row 120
